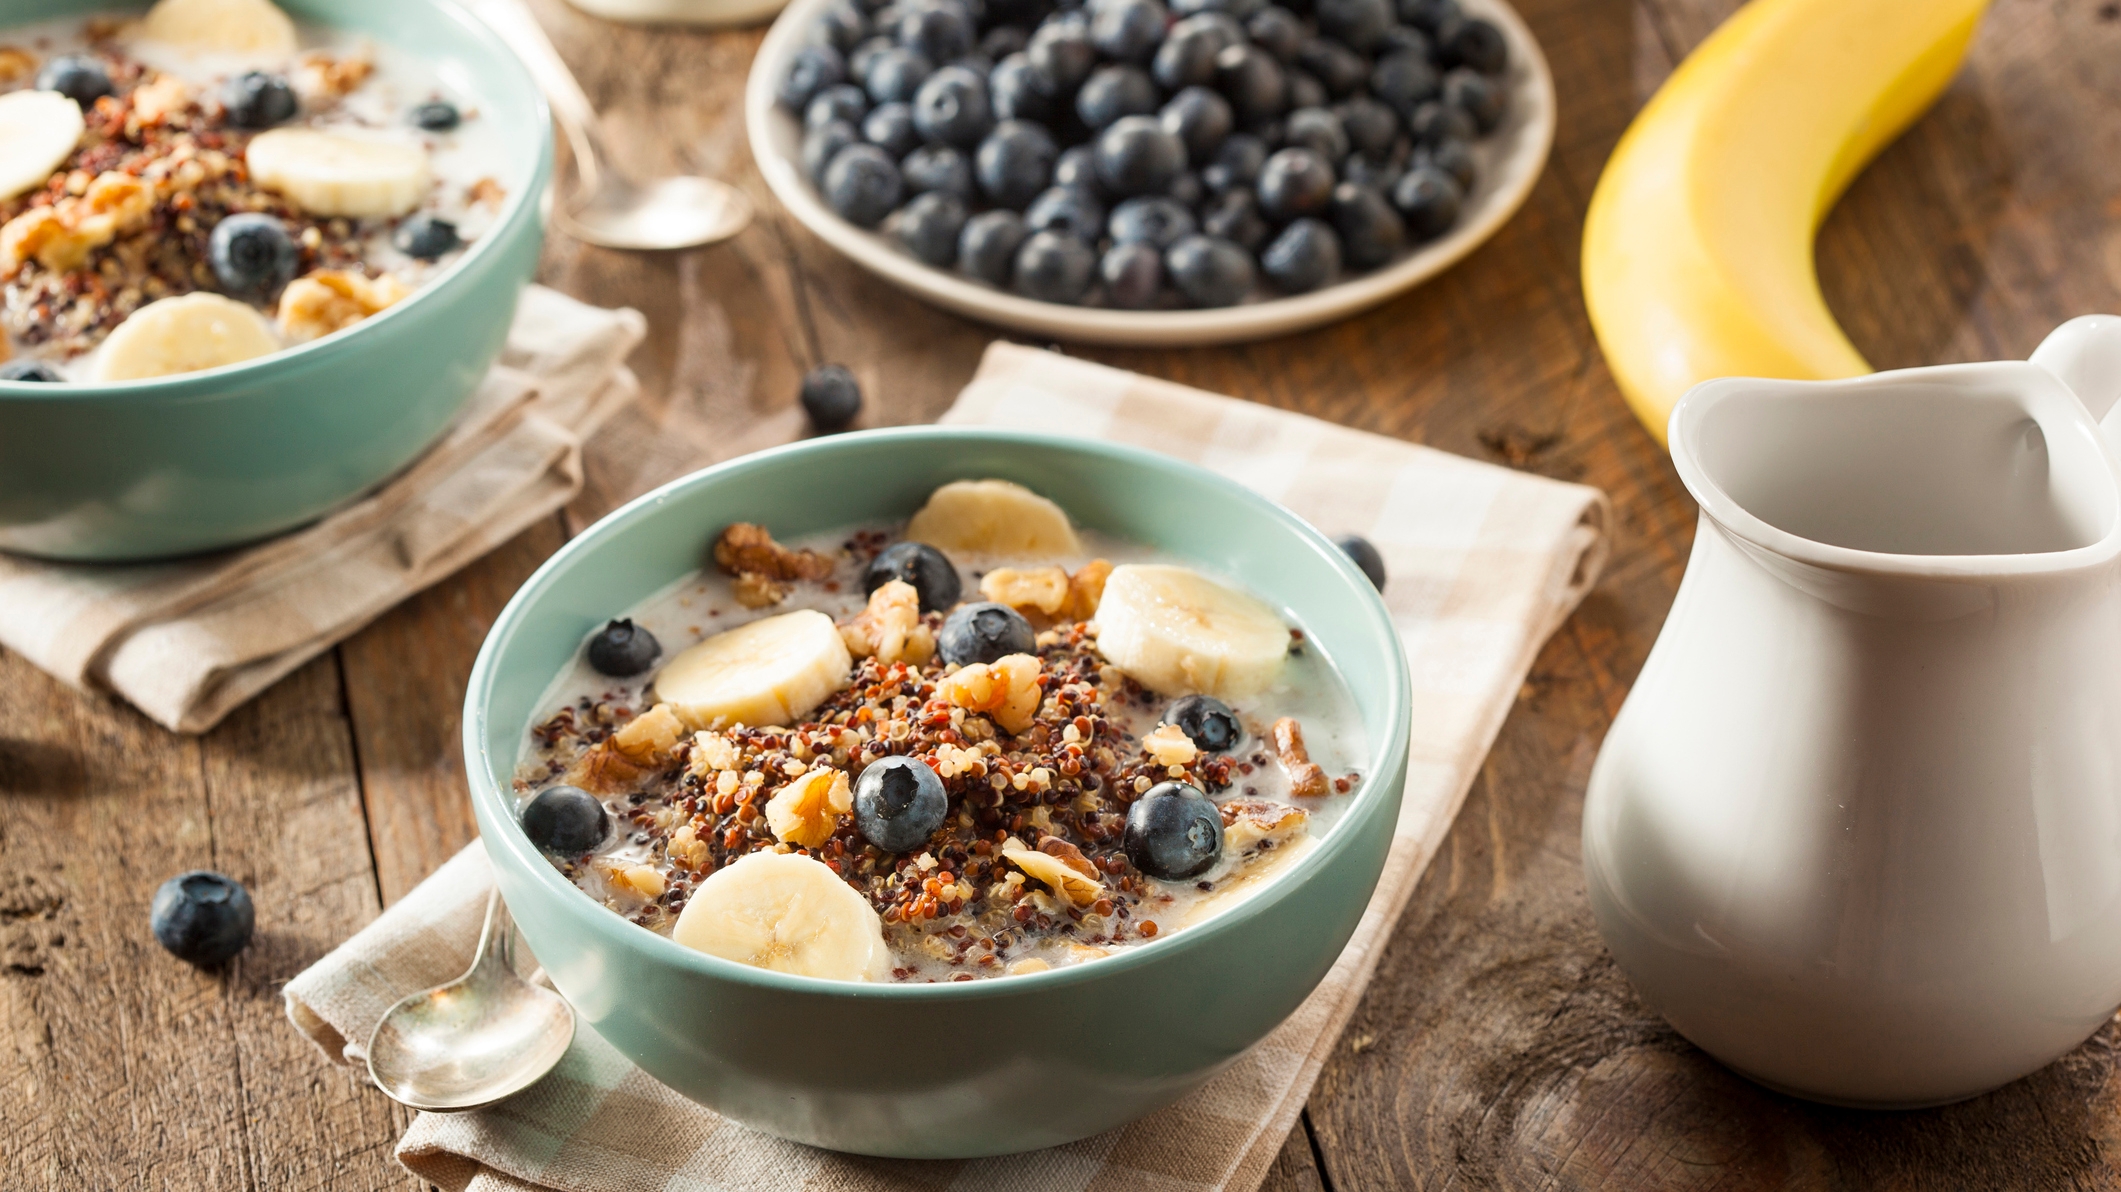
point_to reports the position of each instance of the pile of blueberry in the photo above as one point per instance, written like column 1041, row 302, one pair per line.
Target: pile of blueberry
column 1144, row 156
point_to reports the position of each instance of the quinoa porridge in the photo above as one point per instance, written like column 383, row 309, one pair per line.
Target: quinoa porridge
column 211, row 182
column 976, row 744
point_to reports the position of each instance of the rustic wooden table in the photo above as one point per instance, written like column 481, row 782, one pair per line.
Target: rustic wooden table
column 1498, row 1046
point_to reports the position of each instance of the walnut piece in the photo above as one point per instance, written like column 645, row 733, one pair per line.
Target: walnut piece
column 761, row 565
column 1304, row 778
column 648, row 738
column 1251, row 824
column 1170, row 746
column 805, row 812
column 61, row 236
column 330, row 300
column 754, row 590
column 1006, row 689
column 16, row 63
column 1048, row 594
column 890, row 629
column 1069, row 882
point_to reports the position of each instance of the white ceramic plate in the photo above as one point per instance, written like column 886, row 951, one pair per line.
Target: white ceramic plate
column 1509, row 159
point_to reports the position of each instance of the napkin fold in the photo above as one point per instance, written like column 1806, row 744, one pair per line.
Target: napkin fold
column 188, row 641
column 1484, row 563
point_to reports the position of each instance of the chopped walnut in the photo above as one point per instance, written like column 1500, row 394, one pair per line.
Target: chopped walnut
column 605, row 771
column 1048, row 594
column 1251, row 824
column 488, row 191
column 330, row 300
column 61, row 236
column 762, row 565
column 890, row 629
column 1304, row 778
column 1170, row 746
column 15, row 64
column 321, row 77
column 1006, row 689
column 754, row 590
column 805, row 812
column 650, row 737
column 1070, row 882
column 156, row 102
column 1086, row 587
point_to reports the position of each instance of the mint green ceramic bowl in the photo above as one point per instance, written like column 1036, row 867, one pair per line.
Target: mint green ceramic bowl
column 187, row 463
column 980, row 1067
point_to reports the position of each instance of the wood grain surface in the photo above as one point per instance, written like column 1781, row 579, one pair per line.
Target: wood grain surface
column 1497, row 1048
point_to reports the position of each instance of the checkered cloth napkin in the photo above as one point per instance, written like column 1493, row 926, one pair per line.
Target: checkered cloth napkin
column 188, row 641
column 1484, row 564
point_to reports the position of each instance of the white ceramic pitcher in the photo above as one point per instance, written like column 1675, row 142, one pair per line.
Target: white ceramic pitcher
column 1857, row 830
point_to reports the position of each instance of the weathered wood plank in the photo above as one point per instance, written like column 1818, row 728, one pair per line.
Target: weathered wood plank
column 1295, row 1168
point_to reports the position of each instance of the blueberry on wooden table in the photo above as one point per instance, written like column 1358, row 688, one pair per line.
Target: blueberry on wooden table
column 426, row 237
column 1365, row 555
column 1428, row 200
column 32, row 371
column 1210, row 271
column 255, row 99
column 862, row 185
column 202, row 917
column 252, row 254
column 565, row 820
column 813, row 69
column 1055, row 266
column 1207, row 722
column 841, row 101
column 1173, row 832
column 831, row 397
column 1370, row 230
column 77, row 77
column 622, row 648
column 1303, row 258
column 1157, row 221
column 987, row 248
column 984, row 632
column 1013, row 164
column 1133, row 275
column 436, row 115
column 932, row 574
column 930, row 225
column 899, row 802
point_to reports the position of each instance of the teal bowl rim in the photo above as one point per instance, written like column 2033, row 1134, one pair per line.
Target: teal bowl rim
column 1386, row 757
column 518, row 207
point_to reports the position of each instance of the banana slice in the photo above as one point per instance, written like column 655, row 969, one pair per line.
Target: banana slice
column 330, row 173
column 993, row 517
column 1180, row 633
column 771, row 671
column 38, row 130
column 183, row 334
column 249, row 27
column 787, row 913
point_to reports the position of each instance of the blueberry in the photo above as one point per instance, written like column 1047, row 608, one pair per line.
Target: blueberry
column 622, row 648
column 1304, row 257
column 1318, row 130
column 30, row 371
column 952, row 107
column 1472, row 42
column 1305, row 91
column 1234, row 216
column 1357, row 24
column 1365, row 556
column 889, row 126
column 1371, row 233
column 1428, row 199
column 984, row 632
column 77, row 77
column 930, row 572
column 426, row 237
column 896, row 75
column 1339, row 68
column 1128, row 30
column 986, row 249
column 1201, row 119
column 436, row 115
column 938, row 32
column 823, row 143
column 1207, row 722
column 252, row 254
column 1378, row 176
column 1066, row 209
column 1210, row 271
column 1133, row 275
column 1434, row 123
column 1405, row 82
column 1015, row 91
column 1239, row 10
column 1277, row 31
column 1003, row 40
column 1236, row 164
column 1112, row 92
column 863, row 57
column 1186, row 189
column 1453, row 157
column 862, row 184
column 841, row 25
column 1429, row 16
column 1173, row 832
column 930, row 225
column 1054, row 267
column 831, row 397
column 1477, row 96
column 841, row 101
column 1013, row 164
column 1294, row 182
column 565, row 820
column 1077, row 167
column 255, row 99
column 1187, row 56
column 1371, row 126
column 201, row 917
column 938, row 168
column 1063, row 57
column 1137, row 157
column 1252, row 81
column 1404, row 39
column 899, row 803
column 1157, row 221
column 813, row 69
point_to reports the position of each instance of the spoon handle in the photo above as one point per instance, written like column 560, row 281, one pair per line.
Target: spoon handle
column 577, row 117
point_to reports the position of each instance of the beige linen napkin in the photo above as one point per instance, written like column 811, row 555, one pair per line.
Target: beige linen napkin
column 188, row 641
column 1484, row 564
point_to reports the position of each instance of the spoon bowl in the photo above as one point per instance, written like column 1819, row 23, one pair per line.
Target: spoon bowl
column 667, row 213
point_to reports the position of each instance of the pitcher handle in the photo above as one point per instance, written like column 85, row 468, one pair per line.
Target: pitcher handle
column 2085, row 354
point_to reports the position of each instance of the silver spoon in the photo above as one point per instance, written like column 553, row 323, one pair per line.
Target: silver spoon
column 485, row 1036
column 609, row 209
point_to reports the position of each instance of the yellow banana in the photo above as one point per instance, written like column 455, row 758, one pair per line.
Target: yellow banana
column 1697, row 250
